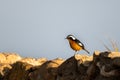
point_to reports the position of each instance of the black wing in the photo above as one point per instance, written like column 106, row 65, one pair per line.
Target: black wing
column 79, row 43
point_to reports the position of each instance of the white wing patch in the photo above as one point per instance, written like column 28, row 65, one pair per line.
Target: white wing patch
column 80, row 44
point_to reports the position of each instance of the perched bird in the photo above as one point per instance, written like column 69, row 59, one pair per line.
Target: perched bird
column 75, row 44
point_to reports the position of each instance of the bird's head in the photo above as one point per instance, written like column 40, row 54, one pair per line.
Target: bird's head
column 70, row 37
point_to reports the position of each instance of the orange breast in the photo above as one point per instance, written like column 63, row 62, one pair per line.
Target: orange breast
column 74, row 46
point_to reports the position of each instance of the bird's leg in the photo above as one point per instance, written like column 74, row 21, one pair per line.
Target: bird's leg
column 76, row 52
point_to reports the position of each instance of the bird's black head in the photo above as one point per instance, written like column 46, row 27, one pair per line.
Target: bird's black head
column 71, row 37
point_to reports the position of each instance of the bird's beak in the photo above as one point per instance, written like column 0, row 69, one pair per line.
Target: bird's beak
column 65, row 38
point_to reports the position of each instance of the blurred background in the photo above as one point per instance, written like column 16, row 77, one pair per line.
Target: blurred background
column 38, row 28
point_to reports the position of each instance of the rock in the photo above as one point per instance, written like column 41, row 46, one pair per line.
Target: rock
column 41, row 60
column 68, row 70
column 47, row 71
column 2, row 58
column 19, row 71
column 108, row 64
column 100, row 66
column 9, row 58
column 4, row 69
column 34, row 62
column 6, row 59
column 74, row 68
column 114, row 55
column 83, row 59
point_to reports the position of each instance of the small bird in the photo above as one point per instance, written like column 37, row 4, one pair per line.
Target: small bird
column 75, row 44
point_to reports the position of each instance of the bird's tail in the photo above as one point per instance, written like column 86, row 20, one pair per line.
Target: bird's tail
column 87, row 51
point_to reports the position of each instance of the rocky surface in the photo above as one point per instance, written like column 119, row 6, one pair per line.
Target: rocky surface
column 47, row 71
column 99, row 66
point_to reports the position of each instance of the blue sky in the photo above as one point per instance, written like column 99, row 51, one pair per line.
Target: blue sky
column 37, row 28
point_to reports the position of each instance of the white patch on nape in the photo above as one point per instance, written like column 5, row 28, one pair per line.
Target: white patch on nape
column 72, row 37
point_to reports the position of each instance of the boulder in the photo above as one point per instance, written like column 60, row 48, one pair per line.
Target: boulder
column 4, row 69
column 74, row 68
column 6, row 59
column 19, row 71
column 100, row 66
column 47, row 71
column 109, row 66
column 33, row 61
column 9, row 58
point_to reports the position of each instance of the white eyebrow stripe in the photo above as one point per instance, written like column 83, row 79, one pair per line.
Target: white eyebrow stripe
column 72, row 37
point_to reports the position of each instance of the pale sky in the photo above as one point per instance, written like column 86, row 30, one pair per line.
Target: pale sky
column 37, row 28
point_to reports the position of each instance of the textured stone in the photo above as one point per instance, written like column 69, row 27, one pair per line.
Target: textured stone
column 33, row 61
column 47, row 71
column 4, row 69
column 9, row 58
column 19, row 71
column 100, row 66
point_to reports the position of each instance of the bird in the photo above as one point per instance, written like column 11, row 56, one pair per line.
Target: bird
column 76, row 44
